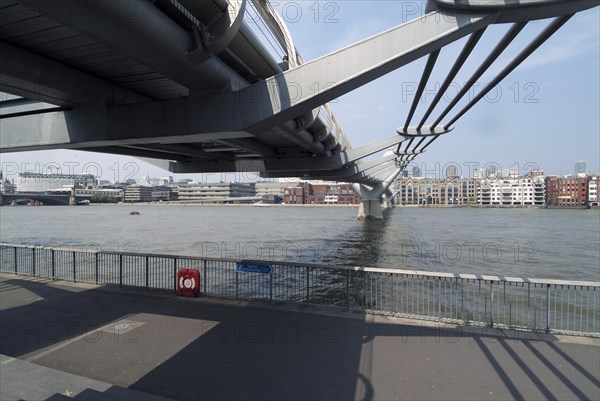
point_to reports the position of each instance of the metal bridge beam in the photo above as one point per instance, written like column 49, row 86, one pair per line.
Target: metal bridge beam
column 250, row 111
column 515, row 10
column 99, row 125
column 288, row 95
column 364, row 173
column 32, row 76
column 337, row 161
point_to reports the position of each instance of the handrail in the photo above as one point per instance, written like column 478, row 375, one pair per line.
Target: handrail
column 552, row 306
column 392, row 271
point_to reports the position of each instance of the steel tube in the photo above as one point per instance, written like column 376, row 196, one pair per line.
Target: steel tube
column 537, row 42
column 496, row 52
column 424, row 78
column 139, row 30
column 462, row 57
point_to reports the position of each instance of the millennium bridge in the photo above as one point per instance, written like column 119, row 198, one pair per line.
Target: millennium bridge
column 189, row 86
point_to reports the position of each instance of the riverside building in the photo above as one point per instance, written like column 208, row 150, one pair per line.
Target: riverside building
column 511, row 191
column 444, row 191
column 273, row 188
column 36, row 182
column 142, row 193
column 593, row 200
column 6, row 187
column 222, row 192
column 321, row 193
column 567, row 191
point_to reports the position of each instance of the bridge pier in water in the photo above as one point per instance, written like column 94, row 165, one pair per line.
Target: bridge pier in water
column 370, row 209
column 72, row 199
column 376, row 199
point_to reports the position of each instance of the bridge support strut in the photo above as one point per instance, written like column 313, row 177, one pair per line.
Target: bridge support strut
column 374, row 200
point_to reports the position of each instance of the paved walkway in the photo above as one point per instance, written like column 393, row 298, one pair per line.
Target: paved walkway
column 76, row 340
column 25, row 380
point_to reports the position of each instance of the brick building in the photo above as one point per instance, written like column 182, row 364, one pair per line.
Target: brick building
column 296, row 195
column 306, row 193
column 566, row 191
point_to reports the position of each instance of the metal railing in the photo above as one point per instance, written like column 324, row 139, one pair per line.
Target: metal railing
column 551, row 306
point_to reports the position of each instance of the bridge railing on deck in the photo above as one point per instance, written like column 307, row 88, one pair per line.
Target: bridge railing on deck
column 557, row 306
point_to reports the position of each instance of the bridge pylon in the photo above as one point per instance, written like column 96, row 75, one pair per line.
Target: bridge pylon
column 374, row 200
column 72, row 199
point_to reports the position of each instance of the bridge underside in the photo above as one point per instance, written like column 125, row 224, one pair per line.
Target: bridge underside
column 187, row 84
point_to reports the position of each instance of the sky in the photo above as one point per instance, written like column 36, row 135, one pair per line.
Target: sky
column 543, row 115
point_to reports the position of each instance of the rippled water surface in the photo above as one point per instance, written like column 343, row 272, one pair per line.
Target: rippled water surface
column 510, row 242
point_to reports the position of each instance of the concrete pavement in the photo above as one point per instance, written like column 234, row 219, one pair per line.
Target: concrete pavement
column 200, row 349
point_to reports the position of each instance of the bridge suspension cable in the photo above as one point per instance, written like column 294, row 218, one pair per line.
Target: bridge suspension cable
column 495, row 53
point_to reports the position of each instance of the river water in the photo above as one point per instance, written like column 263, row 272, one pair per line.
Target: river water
column 540, row 243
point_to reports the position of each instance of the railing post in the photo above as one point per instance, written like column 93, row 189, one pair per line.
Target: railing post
column 347, row 289
column 491, row 304
column 204, row 276
column 121, row 270
column 175, row 274
column 547, row 308
column 307, row 285
column 16, row 263
column 147, row 271
column 96, row 268
column 439, row 298
column 271, row 286
column 53, row 264
column 33, row 261
column 237, row 284
column 484, row 305
column 462, row 299
column 74, row 273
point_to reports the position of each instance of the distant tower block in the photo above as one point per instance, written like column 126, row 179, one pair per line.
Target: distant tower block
column 451, row 171
column 580, row 168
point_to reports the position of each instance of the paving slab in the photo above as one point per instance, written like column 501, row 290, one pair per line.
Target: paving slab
column 23, row 380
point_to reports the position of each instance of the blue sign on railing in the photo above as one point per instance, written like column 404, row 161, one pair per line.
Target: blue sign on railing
column 253, row 268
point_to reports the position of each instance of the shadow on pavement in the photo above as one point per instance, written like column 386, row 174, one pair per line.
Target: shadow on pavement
column 200, row 350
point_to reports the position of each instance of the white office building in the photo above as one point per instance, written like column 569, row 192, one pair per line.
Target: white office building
column 267, row 188
column 34, row 182
column 217, row 192
column 529, row 190
column 593, row 200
